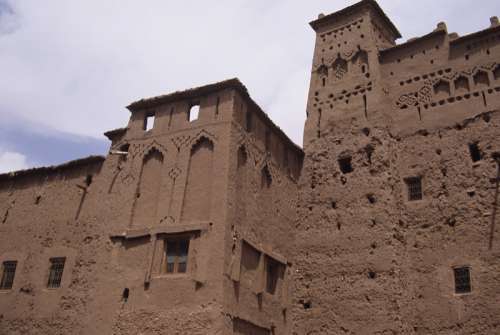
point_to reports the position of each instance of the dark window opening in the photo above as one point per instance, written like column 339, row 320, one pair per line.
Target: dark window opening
column 88, row 180
column 414, row 186
column 273, row 272
column 345, row 165
column 176, row 252
column 149, row 122
column 475, row 152
column 305, row 304
column 56, row 272
column 324, row 81
column 248, row 123
column 193, row 113
column 125, row 294
column 462, row 280
column 9, row 271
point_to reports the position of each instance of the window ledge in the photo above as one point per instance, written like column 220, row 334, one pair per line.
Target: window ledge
column 172, row 276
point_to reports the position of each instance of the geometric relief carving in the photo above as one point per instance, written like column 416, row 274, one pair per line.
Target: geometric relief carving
column 462, row 84
column 496, row 72
column 425, row 94
column 360, row 62
column 174, row 172
column 322, row 70
column 339, row 68
column 481, row 79
column 442, row 89
column 179, row 141
column 407, row 100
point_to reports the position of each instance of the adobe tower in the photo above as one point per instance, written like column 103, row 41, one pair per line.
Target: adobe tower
column 396, row 230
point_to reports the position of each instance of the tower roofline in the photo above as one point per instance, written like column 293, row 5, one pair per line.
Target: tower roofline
column 197, row 92
column 372, row 4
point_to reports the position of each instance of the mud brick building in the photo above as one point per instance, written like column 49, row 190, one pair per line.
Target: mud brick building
column 205, row 218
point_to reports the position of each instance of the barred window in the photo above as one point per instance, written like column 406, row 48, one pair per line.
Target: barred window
column 462, row 280
column 414, row 186
column 9, row 271
column 176, row 254
column 56, row 272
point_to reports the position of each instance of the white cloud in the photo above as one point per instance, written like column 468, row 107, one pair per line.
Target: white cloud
column 74, row 65
column 12, row 161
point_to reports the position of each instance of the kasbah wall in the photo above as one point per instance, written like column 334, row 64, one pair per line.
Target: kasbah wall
column 384, row 223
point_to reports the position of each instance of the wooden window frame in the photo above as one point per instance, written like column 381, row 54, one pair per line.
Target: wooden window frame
column 462, row 279
column 175, row 239
column 56, row 272
column 8, row 275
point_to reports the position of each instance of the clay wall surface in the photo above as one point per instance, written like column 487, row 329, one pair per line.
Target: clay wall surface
column 159, row 185
column 40, row 219
column 261, row 220
column 367, row 260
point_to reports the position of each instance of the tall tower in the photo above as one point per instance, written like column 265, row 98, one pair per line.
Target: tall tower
column 388, row 240
column 346, row 71
column 341, row 241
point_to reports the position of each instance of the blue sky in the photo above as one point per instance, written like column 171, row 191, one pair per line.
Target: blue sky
column 69, row 67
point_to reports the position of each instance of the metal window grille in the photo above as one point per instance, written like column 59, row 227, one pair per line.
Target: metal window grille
column 9, row 271
column 177, row 255
column 414, row 186
column 56, row 272
column 462, row 280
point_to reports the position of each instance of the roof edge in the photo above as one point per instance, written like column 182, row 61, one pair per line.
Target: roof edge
column 315, row 24
column 193, row 93
column 97, row 159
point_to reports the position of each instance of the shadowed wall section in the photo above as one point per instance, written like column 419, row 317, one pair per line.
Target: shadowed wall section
column 146, row 201
column 199, row 182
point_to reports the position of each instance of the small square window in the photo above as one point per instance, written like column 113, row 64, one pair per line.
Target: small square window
column 462, row 280
column 9, row 271
column 414, row 186
column 56, row 272
column 149, row 122
column 176, row 255
column 345, row 165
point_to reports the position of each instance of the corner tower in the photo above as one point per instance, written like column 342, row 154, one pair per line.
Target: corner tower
column 398, row 195
column 346, row 70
